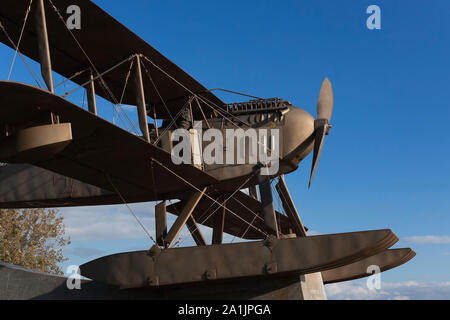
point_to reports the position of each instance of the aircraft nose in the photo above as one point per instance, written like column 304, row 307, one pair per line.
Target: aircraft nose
column 298, row 136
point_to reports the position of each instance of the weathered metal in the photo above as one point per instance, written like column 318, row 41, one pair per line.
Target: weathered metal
column 270, row 218
column 385, row 260
column 289, row 208
column 272, row 257
column 18, row 283
column 106, row 42
column 105, row 164
column 219, row 223
column 43, row 44
column 140, row 100
column 185, row 213
column 194, row 229
column 35, row 144
column 253, row 192
column 244, row 216
column 161, row 223
column 100, row 149
column 321, row 124
column 90, row 92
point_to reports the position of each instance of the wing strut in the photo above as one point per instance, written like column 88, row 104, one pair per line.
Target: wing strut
column 44, row 51
column 290, row 209
column 161, row 223
column 219, row 222
column 195, row 231
column 184, row 216
column 267, row 201
column 253, row 192
column 90, row 92
column 140, row 96
column 43, row 45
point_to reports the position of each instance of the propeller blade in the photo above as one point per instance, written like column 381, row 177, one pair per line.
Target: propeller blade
column 325, row 102
column 321, row 125
column 318, row 144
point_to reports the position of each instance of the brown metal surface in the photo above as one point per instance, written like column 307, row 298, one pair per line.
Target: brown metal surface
column 253, row 192
column 100, row 149
column 140, row 100
column 385, row 260
column 35, row 144
column 195, row 231
column 289, row 208
column 219, row 223
column 184, row 215
column 17, row 283
column 249, row 210
column 90, row 93
column 106, row 42
column 26, row 186
column 272, row 257
column 270, row 218
column 161, row 222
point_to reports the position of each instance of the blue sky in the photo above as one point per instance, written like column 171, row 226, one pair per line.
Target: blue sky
column 385, row 164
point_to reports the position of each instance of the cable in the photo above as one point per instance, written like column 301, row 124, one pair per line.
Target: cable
column 214, row 200
column 20, row 38
column 29, row 68
column 129, row 209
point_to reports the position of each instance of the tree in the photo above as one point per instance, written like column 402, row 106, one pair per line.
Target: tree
column 33, row 238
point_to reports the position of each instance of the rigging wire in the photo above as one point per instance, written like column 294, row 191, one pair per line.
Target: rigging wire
column 20, row 38
column 126, row 81
column 235, row 92
column 245, row 232
column 203, row 114
column 29, row 68
column 129, row 208
column 208, row 196
column 76, row 74
column 102, row 81
column 203, row 99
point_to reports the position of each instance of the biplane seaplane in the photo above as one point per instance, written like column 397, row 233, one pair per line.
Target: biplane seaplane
column 57, row 154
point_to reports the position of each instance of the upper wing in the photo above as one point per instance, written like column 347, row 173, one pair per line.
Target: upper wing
column 105, row 42
column 100, row 153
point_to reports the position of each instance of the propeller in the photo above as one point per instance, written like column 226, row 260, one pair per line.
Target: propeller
column 321, row 124
column 321, row 129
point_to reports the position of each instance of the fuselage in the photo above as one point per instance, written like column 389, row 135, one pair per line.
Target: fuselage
column 230, row 147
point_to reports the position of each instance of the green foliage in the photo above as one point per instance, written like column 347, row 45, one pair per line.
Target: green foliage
column 33, row 238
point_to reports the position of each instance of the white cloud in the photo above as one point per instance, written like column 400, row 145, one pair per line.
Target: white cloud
column 428, row 239
column 402, row 298
column 83, row 252
column 107, row 222
column 116, row 222
column 389, row 291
